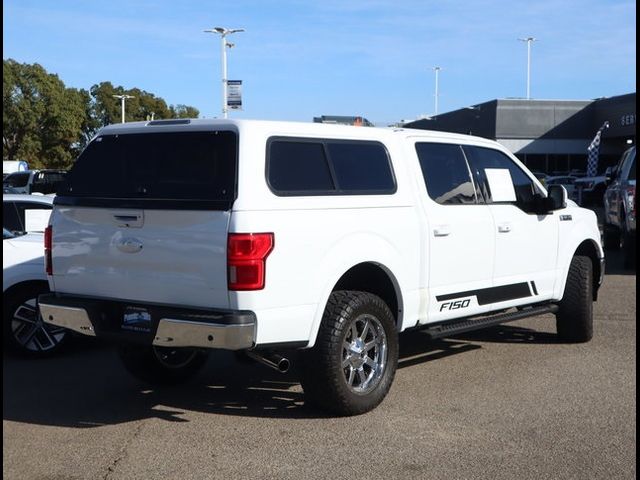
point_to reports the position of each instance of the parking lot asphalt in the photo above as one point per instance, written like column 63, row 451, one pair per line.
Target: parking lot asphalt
column 504, row 403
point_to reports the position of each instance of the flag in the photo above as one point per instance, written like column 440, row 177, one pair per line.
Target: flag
column 594, row 152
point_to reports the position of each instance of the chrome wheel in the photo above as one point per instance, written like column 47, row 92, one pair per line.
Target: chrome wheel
column 29, row 330
column 364, row 354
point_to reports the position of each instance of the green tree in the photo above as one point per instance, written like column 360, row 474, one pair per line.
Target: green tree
column 184, row 111
column 42, row 120
column 48, row 124
column 143, row 106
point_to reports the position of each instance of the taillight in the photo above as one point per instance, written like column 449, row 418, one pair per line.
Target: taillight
column 48, row 244
column 246, row 260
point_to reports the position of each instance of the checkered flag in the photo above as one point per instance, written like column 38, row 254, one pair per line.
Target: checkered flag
column 594, row 152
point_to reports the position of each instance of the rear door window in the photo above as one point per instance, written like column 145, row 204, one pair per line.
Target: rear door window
column 299, row 166
column 361, row 167
column 172, row 169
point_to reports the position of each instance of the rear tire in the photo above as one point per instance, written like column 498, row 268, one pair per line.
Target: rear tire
column 350, row 369
column 161, row 365
column 574, row 319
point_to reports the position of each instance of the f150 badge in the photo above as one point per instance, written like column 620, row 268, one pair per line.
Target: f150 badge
column 455, row 305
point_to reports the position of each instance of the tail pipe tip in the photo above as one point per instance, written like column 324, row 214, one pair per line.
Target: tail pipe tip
column 272, row 360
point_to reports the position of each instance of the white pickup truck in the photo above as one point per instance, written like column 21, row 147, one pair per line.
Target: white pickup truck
column 175, row 237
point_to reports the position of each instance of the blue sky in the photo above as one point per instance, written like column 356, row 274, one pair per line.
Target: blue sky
column 300, row 59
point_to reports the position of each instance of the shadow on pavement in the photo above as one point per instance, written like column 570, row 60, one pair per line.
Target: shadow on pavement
column 416, row 347
column 88, row 387
column 510, row 334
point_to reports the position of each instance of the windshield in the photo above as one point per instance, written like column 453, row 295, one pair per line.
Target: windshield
column 177, row 166
column 16, row 180
column 632, row 169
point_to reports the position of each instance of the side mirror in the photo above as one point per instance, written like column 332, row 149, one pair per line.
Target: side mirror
column 556, row 198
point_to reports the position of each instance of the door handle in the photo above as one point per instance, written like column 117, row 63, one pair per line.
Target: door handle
column 504, row 228
column 441, row 231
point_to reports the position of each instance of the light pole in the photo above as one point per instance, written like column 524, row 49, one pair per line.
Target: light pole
column 122, row 100
column 223, row 32
column 437, row 70
column 529, row 41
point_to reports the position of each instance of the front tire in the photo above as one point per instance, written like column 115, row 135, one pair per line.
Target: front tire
column 350, row 369
column 24, row 330
column 574, row 319
column 161, row 365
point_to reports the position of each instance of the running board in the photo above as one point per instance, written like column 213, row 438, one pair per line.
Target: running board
column 464, row 326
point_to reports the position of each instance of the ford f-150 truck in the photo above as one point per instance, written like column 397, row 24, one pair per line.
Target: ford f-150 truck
column 176, row 237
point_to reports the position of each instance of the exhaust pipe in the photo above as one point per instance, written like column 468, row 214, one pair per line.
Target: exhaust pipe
column 273, row 360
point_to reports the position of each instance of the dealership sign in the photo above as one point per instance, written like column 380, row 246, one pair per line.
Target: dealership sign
column 234, row 94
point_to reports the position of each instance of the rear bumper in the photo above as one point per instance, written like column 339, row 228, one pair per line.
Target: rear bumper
column 163, row 326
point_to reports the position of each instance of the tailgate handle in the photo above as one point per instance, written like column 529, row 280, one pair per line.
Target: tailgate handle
column 131, row 220
column 126, row 218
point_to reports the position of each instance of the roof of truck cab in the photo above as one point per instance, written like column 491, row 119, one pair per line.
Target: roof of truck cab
column 284, row 128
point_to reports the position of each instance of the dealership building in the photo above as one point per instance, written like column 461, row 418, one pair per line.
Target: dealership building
column 550, row 136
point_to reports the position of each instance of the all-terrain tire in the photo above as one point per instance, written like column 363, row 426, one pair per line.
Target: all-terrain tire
column 161, row 365
column 326, row 381
column 574, row 319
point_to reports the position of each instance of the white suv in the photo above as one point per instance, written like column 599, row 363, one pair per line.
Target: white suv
column 175, row 237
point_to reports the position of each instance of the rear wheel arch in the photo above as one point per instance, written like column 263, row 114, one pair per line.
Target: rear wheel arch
column 26, row 284
column 371, row 277
column 374, row 278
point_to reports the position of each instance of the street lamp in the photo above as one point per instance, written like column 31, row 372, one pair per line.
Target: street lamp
column 223, row 32
column 122, row 100
column 437, row 70
column 529, row 41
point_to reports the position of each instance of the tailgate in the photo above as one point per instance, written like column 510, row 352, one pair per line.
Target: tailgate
column 175, row 257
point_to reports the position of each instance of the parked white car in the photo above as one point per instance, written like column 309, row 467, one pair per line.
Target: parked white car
column 323, row 238
column 23, row 276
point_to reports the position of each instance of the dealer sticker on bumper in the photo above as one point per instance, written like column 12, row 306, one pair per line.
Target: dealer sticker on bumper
column 137, row 319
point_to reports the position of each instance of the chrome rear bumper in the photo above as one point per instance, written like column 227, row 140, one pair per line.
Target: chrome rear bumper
column 168, row 326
